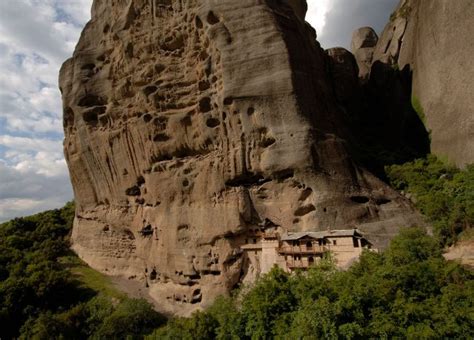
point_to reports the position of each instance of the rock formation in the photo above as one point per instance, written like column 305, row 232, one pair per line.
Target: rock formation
column 433, row 40
column 189, row 123
column 363, row 43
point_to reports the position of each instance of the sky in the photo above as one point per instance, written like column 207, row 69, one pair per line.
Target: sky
column 36, row 36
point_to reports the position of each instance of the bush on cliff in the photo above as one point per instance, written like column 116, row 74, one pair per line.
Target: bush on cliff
column 443, row 193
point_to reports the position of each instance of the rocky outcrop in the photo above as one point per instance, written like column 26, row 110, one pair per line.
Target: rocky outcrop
column 432, row 39
column 190, row 125
column 363, row 43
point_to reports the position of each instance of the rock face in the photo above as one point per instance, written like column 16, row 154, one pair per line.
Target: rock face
column 434, row 40
column 189, row 124
column 364, row 41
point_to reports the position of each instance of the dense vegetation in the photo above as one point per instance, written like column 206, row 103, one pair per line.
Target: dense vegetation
column 443, row 193
column 408, row 291
column 39, row 298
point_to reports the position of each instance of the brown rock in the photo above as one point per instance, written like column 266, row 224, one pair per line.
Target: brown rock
column 189, row 124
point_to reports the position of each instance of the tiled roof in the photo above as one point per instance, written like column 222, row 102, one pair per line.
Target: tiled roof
column 319, row 234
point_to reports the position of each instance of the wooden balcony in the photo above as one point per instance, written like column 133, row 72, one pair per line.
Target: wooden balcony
column 296, row 265
column 297, row 250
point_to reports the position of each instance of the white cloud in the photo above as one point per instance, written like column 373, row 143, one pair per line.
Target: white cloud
column 335, row 20
column 317, row 12
column 36, row 36
column 27, row 190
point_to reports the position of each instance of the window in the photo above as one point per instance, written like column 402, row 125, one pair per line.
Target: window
column 254, row 240
column 355, row 242
column 334, row 242
column 309, row 244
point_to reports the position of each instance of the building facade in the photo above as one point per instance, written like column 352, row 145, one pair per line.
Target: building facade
column 300, row 250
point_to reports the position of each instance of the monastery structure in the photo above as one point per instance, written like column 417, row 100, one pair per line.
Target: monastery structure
column 300, row 250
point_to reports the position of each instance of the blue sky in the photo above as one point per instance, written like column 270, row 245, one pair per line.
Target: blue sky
column 36, row 36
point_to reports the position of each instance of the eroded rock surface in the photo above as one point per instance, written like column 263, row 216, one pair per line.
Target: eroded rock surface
column 190, row 124
column 363, row 43
column 433, row 39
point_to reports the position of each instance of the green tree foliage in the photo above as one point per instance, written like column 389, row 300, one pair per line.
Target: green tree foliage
column 40, row 299
column 444, row 193
column 409, row 291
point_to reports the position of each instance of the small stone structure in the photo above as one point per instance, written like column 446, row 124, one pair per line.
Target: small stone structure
column 300, row 250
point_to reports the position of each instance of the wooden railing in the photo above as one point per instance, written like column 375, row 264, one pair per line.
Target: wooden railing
column 290, row 250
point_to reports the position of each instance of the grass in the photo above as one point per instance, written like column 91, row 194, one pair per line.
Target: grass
column 403, row 12
column 416, row 104
column 90, row 278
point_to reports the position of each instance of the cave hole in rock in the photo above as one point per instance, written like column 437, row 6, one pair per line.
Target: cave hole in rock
column 149, row 90
column 147, row 117
column 248, row 179
column 212, row 122
column 90, row 100
column 228, row 100
column 106, row 29
column 146, row 230
column 129, row 50
column 205, row 104
column 204, row 85
column 198, row 22
column 133, row 191
column 89, row 66
column 153, row 274
column 68, row 117
column 267, row 141
column 283, row 175
column 187, row 121
column 305, row 194
column 382, row 201
column 161, row 137
column 129, row 234
column 185, row 183
column 359, row 199
column 197, row 296
column 212, row 19
column 304, row 210
column 140, row 180
column 250, row 111
column 92, row 116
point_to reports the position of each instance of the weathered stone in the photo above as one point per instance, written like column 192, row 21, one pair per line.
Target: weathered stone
column 434, row 40
column 345, row 77
column 363, row 45
column 209, row 119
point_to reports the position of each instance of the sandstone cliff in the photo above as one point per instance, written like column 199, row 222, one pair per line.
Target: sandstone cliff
column 433, row 40
column 190, row 124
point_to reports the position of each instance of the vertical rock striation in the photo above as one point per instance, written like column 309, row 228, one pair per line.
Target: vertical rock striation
column 189, row 124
